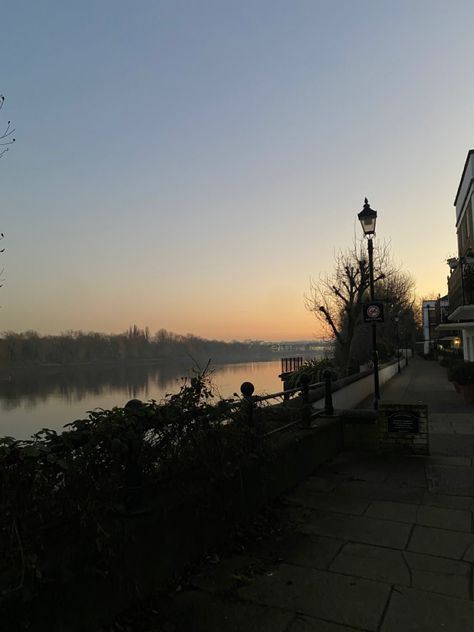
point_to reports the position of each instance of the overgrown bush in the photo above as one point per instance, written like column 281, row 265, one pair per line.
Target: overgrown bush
column 85, row 478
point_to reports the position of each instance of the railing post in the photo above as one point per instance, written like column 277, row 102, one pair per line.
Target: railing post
column 247, row 389
column 328, row 407
column 306, row 406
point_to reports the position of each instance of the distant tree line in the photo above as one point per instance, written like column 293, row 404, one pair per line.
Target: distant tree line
column 135, row 344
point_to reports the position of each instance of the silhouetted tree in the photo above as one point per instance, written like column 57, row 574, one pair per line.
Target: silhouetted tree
column 336, row 300
column 6, row 136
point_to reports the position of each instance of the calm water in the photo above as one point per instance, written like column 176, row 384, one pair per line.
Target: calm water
column 50, row 398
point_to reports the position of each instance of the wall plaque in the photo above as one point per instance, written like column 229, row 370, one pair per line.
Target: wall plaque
column 404, row 421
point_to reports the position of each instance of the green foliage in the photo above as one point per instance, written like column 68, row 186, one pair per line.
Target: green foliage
column 461, row 372
column 314, row 369
column 79, row 483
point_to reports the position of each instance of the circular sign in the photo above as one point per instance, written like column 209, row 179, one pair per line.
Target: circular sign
column 373, row 311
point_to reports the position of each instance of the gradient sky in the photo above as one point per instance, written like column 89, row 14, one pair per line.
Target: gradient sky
column 191, row 164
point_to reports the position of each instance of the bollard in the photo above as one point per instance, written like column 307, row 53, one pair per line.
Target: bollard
column 328, row 407
column 247, row 389
column 306, row 406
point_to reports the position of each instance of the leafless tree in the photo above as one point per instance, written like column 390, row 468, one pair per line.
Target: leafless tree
column 336, row 298
column 6, row 137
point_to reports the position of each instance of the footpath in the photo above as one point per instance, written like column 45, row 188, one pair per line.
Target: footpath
column 381, row 543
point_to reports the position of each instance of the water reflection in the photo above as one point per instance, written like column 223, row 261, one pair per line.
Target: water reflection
column 50, row 397
column 30, row 388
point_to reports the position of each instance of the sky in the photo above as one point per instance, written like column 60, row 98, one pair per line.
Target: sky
column 191, row 165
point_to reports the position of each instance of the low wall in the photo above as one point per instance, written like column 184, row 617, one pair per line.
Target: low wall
column 350, row 392
column 393, row 427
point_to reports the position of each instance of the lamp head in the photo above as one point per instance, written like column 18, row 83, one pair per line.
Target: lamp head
column 367, row 218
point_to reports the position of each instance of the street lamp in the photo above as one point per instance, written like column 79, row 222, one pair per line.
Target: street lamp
column 398, row 343
column 367, row 218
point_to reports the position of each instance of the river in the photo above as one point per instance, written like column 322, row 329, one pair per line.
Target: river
column 51, row 397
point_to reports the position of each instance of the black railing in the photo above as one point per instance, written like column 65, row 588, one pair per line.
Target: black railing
column 301, row 406
column 288, row 365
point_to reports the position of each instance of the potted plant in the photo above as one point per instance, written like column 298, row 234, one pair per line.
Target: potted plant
column 462, row 376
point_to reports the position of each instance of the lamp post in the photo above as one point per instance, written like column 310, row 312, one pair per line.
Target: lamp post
column 398, row 343
column 367, row 218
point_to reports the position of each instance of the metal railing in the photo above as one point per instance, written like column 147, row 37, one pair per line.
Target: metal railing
column 288, row 365
column 461, row 285
column 303, row 408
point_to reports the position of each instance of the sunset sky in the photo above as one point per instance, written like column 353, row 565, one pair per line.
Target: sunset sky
column 192, row 164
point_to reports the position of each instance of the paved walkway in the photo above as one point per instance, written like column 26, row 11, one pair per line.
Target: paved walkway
column 378, row 542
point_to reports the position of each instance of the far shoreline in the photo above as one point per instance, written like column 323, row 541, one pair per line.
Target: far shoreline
column 199, row 363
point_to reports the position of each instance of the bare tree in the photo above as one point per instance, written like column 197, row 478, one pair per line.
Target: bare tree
column 6, row 137
column 336, row 298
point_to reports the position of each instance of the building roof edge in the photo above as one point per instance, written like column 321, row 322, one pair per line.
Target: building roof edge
column 469, row 153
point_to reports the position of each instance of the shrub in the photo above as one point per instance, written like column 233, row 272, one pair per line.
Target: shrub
column 89, row 476
column 314, row 369
column 461, row 372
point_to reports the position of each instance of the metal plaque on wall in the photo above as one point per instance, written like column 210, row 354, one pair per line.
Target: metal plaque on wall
column 404, row 421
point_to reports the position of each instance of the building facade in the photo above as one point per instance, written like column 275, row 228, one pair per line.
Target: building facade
column 438, row 333
column 461, row 268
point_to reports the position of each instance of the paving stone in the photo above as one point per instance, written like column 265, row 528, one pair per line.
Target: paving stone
column 451, row 502
column 321, row 594
column 454, row 519
column 439, row 542
column 366, row 470
column 440, row 427
column 451, row 416
column 224, row 574
column 458, row 481
column 452, row 444
column 469, row 554
column 412, row 610
column 358, row 529
column 202, row 612
column 380, row 491
column 372, row 562
column 324, row 483
column 309, row 624
column 438, row 574
column 329, row 502
column 297, row 513
column 312, row 551
column 455, row 461
column 399, row 512
column 413, row 476
column 463, row 427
